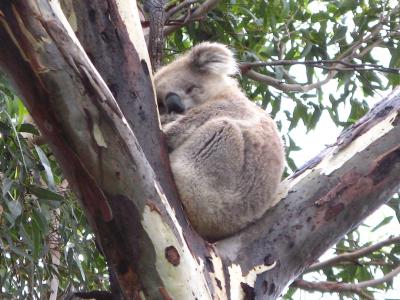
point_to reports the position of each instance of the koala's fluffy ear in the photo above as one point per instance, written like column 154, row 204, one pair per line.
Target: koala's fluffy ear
column 214, row 58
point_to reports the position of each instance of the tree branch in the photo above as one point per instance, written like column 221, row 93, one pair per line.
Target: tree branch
column 111, row 33
column 200, row 11
column 155, row 9
column 341, row 63
column 339, row 287
column 354, row 255
column 321, row 64
column 98, row 152
column 287, row 87
column 174, row 10
column 54, row 250
column 330, row 287
column 317, row 210
column 375, row 282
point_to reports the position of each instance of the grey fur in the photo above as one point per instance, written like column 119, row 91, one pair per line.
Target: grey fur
column 226, row 154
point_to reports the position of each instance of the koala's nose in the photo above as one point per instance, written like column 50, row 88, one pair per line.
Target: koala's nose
column 174, row 103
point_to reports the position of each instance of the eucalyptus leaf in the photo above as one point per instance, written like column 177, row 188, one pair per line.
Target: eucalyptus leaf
column 382, row 223
column 47, row 168
column 339, row 34
column 15, row 208
column 43, row 193
column 28, row 128
column 7, row 185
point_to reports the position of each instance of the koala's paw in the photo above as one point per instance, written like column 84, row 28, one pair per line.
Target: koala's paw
column 168, row 118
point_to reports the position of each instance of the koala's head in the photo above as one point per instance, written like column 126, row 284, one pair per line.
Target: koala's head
column 195, row 77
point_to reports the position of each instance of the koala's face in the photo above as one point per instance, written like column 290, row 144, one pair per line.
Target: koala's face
column 194, row 78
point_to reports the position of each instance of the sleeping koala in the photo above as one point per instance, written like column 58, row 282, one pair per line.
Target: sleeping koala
column 226, row 154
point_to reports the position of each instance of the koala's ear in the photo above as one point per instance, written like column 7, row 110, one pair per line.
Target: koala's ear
column 214, row 58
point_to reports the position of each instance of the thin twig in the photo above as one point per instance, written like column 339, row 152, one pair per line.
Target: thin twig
column 200, row 11
column 343, row 58
column 184, row 4
column 342, row 62
column 339, row 287
column 330, row 287
column 287, row 87
column 380, row 263
column 375, row 282
column 351, row 256
column 321, row 64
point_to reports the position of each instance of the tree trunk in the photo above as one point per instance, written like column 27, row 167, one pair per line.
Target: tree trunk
column 104, row 131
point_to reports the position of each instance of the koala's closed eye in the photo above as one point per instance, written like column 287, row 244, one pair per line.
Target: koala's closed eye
column 191, row 89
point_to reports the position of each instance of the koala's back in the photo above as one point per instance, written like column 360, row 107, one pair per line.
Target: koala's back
column 228, row 168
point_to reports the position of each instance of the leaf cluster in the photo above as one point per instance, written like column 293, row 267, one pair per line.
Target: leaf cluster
column 271, row 31
column 40, row 221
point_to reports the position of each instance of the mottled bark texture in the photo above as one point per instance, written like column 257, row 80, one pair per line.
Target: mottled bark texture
column 99, row 117
column 324, row 200
column 155, row 10
column 99, row 154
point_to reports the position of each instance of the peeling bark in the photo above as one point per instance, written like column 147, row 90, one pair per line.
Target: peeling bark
column 99, row 154
column 99, row 117
column 323, row 201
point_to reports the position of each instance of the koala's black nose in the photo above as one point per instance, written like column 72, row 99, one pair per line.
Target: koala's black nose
column 174, row 103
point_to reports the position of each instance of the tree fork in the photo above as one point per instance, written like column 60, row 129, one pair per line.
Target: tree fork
column 102, row 29
column 325, row 199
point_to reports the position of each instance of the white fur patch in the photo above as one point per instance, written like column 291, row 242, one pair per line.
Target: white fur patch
column 214, row 58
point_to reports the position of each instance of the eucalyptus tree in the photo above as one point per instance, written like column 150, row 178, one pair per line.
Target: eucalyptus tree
column 83, row 72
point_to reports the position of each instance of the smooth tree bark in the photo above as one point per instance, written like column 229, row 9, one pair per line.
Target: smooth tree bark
column 93, row 100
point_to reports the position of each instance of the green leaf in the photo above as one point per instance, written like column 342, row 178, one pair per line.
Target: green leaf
column 28, row 128
column 319, row 16
column 394, row 79
column 79, row 264
column 44, row 194
column 15, row 208
column 37, row 242
column 22, row 111
column 314, row 118
column 21, row 252
column 25, row 236
column 4, row 130
column 394, row 204
column 347, row 5
column 7, row 185
column 340, row 33
column 306, row 50
column 292, row 165
column 40, row 221
column 382, row 223
column 363, row 274
column 47, row 168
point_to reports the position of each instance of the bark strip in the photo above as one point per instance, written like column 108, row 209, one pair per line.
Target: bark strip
column 98, row 153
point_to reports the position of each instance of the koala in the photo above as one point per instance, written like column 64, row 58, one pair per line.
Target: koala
column 226, row 155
